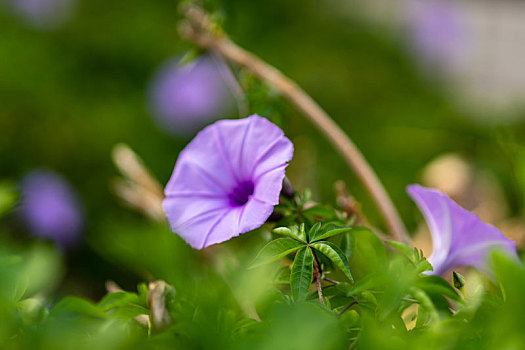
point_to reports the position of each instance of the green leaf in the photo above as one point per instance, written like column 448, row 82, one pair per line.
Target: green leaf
column 302, row 274
column 335, row 255
column 368, row 253
column 369, row 282
column 438, row 286
column 244, row 327
column 283, row 275
column 346, row 245
column 285, row 231
column 32, row 309
column 275, row 250
column 405, row 249
column 314, row 232
column 459, row 280
column 301, row 233
column 425, row 301
column 8, row 196
column 423, row 265
column 330, row 233
column 143, row 293
column 75, row 305
column 319, row 212
column 123, row 305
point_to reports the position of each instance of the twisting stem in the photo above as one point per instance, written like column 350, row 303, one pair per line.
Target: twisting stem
column 318, row 278
column 200, row 30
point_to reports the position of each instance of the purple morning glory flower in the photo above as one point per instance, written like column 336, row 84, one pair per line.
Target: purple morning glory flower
column 460, row 238
column 42, row 13
column 50, row 207
column 227, row 180
column 437, row 31
column 184, row 98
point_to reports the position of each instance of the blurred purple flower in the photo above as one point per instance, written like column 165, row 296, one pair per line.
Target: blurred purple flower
column 437, row 31
column 43, row 13
column 50, row 207
column 185, row 98
column 460, row 238
column 227, row 180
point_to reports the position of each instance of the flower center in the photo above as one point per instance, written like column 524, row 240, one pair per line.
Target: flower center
column 241, row 193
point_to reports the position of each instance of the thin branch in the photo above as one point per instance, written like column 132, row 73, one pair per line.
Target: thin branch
column 319, row 288
column 318, row 278
column 348, row 307
column 201, row 31
column 331, row 280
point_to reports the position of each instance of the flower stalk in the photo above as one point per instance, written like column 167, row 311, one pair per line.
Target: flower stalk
column 198, row 29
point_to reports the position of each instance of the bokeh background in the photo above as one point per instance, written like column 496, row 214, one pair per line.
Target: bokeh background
column 409, row 81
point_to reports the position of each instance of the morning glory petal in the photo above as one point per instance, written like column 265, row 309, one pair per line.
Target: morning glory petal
column 460, row 238
column 227, row 180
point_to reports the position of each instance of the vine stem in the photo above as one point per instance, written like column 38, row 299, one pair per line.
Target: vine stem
column 198, row 29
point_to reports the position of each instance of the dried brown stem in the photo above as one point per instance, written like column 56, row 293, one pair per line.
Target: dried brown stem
column 139, row 188
column 200, row 30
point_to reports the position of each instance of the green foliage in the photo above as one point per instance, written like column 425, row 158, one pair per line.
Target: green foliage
column 69, row 94
column 275, row 250
column 302, row 274
column 389, row 303
column 335, row 255
column 8, row 197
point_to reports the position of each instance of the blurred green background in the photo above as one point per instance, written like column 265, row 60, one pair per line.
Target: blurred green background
column 69, row 94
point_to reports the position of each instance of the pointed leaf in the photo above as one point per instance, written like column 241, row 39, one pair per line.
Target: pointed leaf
column 275, row 250
column 405, row 249
column 459, row 280
column 330, row 233
column 285, row 231
column 302, row 234
column 302, row 274
column 314, row 232
column 336, row 255
column 346, row 245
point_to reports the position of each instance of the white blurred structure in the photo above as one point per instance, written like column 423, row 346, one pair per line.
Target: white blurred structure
column 476, row 45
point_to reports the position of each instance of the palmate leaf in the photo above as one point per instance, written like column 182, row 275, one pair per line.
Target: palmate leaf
column 302, row 274
column 335, row 255
column 274, row 250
